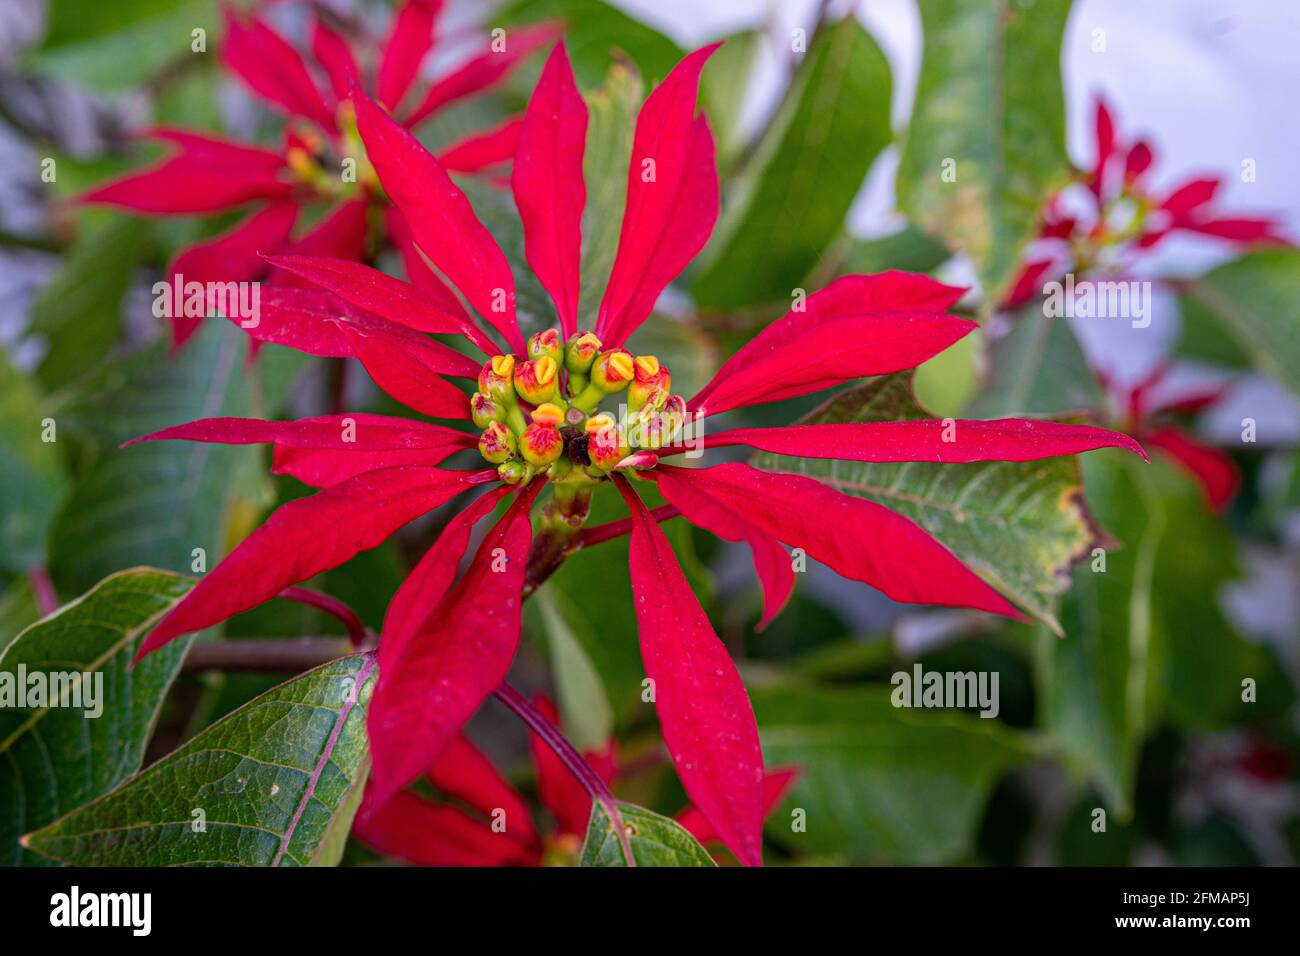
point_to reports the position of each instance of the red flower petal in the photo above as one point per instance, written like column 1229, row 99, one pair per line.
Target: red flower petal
column 185, row 186
column 301, row 319
column 1028, row 285
column 483, row 150
column 406, row 375
column 1138, row 161
column 704, row 713
column 272, row 68
column 1239, row 230
column 308, row 536
column 549, row 187
column 464, row 773
column 1214, row 471
column 414, row 829
column 775, row 785
column 408, row 43
column 441, row 219
column 341, row 234
column 1002, row 439
column 438, row 679
column 334, row 54
column 422, row 275
column 481, row 72
column 668, row 219
column 1104, row 126
column 417, row 600
column 771, row 561
column 377, row 292
column 324, row 467
column 233, row 256
column 856, row 326
column 1191, row 195
column 367, row 433
column 858, row 539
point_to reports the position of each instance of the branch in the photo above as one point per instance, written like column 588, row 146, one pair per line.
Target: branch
column 569, row 756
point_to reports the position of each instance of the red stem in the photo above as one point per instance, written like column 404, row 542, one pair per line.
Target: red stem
column 47, row 599
column 569, row 756
column 616, row 529
column 331, row 606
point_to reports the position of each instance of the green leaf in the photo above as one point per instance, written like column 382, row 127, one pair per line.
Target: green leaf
column 655, row 840
column 264, row 786
column 113, row 47
column 1037, row 369
column 155, row 503
column 597, row 35
column 790, row 201
column 32, row 473
column 989, row 100
column 54, row 759
column 611, row 122
column 909, row 249
column 724, row 86
column 1096, row 687
column 1146, row 639
column 1018, row 525
column 583, row 703
column 1256, row 299
column 880, row 783
column 79, row 314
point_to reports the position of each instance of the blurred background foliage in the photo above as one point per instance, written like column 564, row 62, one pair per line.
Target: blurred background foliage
column 1123, row 693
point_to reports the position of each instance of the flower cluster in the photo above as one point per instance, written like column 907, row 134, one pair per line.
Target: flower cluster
column 1111, row 212
column 449, row 637
column 321, row 163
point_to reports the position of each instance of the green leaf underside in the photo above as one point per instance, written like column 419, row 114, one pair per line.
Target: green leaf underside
column 270, row 779
column 1018, row 525
column 1037, row 369
column 1257, row 300
column 790, row 204
column 880, row 783
column 1148, row 639
column 32, row 473
column 611, row 123
column 123, row 43
column 583, row 703
column 655, row 840
column 989, row 98
column 155, row 503
column 58, row 758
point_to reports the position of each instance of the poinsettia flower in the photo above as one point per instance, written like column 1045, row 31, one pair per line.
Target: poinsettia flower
column 1125, row 215
column 492, row 825
column 449, row 637
column 1151, row 414
column 320, row 163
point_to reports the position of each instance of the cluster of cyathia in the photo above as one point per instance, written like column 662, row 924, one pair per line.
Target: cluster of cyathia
column 543, row 415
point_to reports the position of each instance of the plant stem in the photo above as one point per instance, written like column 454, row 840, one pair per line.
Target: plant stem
column 289, row 655
column 569, row 756
column 47, row 599
column 331, row 606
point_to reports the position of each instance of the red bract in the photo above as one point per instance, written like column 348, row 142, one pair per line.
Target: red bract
column 1154, row 423
column 447, row 643
column 493, row 826
column 1123, row 215
column 206, row 174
